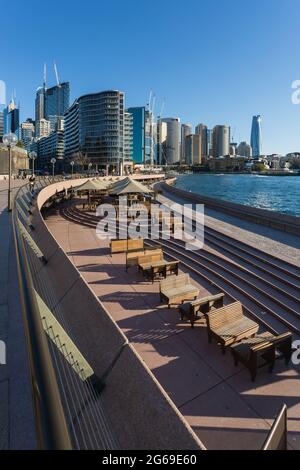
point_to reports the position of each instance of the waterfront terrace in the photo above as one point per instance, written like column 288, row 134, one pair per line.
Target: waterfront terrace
column 151, row 380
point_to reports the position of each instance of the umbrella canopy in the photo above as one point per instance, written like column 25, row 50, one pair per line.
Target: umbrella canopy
column 130, row 186
column 103, row 184
column 92, row 185
column 120, row 184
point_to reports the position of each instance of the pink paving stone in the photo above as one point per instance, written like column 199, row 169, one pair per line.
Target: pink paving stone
column 179, row 370
column 223, row 421
column 209, row 352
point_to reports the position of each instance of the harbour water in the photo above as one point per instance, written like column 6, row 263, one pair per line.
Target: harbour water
column 276, row 193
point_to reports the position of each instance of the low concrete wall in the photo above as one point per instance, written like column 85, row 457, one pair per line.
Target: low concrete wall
column 141, row 414
column 276, row 220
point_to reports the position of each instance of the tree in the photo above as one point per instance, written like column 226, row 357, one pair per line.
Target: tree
column 80, row 159
column 258, row 167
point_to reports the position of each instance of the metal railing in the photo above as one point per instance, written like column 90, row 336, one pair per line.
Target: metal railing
column 51, row 427
column 66, row 392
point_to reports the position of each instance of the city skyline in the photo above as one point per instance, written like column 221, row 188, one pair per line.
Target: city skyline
column 226, row 91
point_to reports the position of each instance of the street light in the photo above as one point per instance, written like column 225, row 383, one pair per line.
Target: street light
column 32, row 156
column 53, row 161
column 9, row 140
column 72, row 163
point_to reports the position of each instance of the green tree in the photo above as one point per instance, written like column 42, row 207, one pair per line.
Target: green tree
column 258, row 167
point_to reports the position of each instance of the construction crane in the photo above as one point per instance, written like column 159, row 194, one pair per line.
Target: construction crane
column 56, row 74
column 45, row 76
column 150, row 100
column 160, row 115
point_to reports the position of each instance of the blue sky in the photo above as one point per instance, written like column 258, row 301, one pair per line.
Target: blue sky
column 216, row 61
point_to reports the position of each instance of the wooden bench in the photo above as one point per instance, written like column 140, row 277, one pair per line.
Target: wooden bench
column 122, row 246
column 255, row 353
column 177, row 289
column 133, row 255
column 145, row 261
column 229, row 325
column 160, row 269
column 204, row 305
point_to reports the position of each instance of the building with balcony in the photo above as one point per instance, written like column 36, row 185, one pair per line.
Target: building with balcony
column 128, row 137
column 193, row 152
column 220, row 141
column 94, row 125
column 186, row 129
column 42, row 128
column 172, row 140
column 138, row 130
column 51, row 147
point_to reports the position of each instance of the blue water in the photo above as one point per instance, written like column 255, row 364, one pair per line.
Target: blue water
column 276, row 193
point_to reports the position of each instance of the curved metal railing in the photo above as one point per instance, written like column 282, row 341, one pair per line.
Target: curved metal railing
column 51, row 428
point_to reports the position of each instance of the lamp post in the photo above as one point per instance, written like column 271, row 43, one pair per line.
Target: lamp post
column 9, row 140
column 53, row 161
column 32, row 156
column 72, row 163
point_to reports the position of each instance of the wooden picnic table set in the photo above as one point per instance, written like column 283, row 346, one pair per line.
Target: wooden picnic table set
column 227, row 324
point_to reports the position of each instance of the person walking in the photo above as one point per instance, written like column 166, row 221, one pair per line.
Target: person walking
column 32, row 183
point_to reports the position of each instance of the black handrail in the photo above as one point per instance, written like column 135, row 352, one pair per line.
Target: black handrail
column 51, row 427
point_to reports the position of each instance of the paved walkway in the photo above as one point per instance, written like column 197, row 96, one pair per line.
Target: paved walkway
column 16, row 413
column 220, row 402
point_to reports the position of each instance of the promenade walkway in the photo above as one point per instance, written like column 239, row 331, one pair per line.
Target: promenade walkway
column 220, row 402
column 16, row 412
column 281, row 244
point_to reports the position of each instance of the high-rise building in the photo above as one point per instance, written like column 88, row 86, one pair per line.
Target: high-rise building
column 256, row 142
column 1, row 125
column 201, row 129
column 40, row 104
column 193, row 149
column 11, row 117
column 220, row 141
column 172, row 140
column 57, row 100
column 186, row 129
column 96, row 128
column 49, row 147
column 128, row 137
column 161, row 129
column 244, row 150
column 138, row 129
column 42, row 128
column 71, row 134
column 27, row 133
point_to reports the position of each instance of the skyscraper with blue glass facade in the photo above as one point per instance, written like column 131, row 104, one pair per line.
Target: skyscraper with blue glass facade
column 11, row 118
column 138, row 130
column 57, row 101
column 256, row 142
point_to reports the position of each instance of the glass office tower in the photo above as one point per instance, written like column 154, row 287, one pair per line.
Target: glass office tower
column 11, row 117
column 1, row 124
column 138, row 129
column 57, row 101
column 256, row 142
